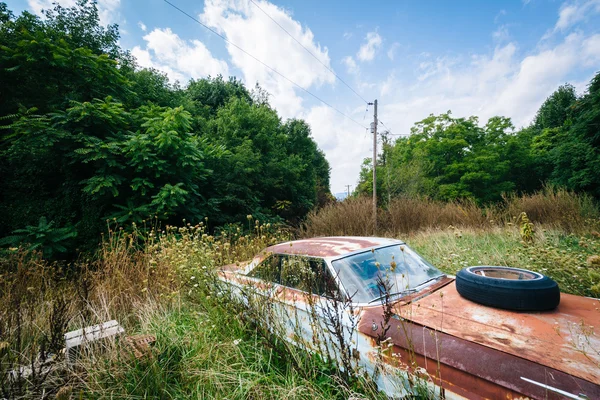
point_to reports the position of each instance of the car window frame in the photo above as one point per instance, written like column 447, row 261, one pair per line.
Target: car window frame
column 342, row 294
column 341, row 285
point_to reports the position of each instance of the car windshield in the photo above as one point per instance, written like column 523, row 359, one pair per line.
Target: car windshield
column 397, row 269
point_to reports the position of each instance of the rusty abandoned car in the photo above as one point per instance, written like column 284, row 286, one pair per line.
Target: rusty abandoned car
column 520, row 338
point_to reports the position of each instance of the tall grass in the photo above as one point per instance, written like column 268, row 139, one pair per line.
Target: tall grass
column 155, row 281
column 159, row 282
column 550, row 207
column 572, row 260
column 553, row 206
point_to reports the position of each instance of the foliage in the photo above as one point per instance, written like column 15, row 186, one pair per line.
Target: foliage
column 448, row 158
column 87, row 136
column 165, row 285
column 44, row 237
column 162, row 282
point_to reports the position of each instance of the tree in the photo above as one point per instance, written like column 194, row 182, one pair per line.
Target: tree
column 447, row 158
column 555, row 111
column 87, row 136
column 576, row 155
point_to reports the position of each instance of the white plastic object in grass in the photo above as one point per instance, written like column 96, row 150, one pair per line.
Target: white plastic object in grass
column 74, row 340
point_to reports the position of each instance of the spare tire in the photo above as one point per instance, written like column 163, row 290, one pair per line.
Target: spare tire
column 508, row 288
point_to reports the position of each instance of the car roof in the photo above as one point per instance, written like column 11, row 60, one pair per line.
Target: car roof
column 332, row 246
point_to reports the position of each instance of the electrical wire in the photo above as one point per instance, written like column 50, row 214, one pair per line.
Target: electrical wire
column 261, row 62
column 309, row 52
column 390, row 131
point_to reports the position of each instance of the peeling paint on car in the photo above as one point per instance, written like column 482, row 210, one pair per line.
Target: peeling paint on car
column 465, row 349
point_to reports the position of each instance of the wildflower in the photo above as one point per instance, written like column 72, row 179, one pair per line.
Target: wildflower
column 236, row 342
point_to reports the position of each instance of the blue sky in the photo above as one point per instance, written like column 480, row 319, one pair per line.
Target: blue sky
column 479, row 58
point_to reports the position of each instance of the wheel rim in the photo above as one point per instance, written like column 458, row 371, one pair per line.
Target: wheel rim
column 514, row 274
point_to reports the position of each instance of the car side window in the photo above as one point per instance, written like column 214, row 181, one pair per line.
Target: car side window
column 309, row 275
column 268, row 270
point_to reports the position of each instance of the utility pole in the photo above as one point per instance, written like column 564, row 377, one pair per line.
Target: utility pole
column 374, row 129
column 348, row 188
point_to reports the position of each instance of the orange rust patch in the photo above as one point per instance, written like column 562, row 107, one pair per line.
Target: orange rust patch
column 561, row 339
column 329, row 246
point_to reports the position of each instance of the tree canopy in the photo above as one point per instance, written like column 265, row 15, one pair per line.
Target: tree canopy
column 451, row 158
column 88, row 136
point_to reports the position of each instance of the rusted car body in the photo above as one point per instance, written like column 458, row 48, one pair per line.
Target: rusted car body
column 467, row 350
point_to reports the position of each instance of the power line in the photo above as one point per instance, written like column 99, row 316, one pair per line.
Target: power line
column 390, row 131
column 261, row 62
column 309, row 52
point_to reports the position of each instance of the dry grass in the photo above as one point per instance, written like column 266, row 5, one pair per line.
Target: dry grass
column 350, row 217
column 570, row 212
column 143, row 279
column 553, row 207
column 408, row 215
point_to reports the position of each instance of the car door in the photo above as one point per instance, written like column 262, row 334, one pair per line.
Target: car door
column 318, row 316
column 303, row 304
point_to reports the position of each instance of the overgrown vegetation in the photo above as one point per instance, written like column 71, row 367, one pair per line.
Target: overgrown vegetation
column 142, row 188
column 553, row 231
column 209, row 344
column 86, row 136
column 450, row 159
column 162, row 282
column 554, row 207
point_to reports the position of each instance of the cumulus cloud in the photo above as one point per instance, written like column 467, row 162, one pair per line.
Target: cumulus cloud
column 248, row 27
column 107, row 9
column 367, row 50
column 351, row 65
column 142, row 26
column 179, row 59
column 499, row 84
column 574, row 12
column 505, row 80
column 345, row 144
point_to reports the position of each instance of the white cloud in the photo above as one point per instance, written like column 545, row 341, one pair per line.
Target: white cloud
column 501, row 34
column 142, row 26
column 439, row 66
column 179, row 59
column 107, row 9
column 345, row 144
column 502, row 81
column 387, row 85
column 574, row 12
column 367, row 50
column 347, row 35
column 246, row 26
column 499, row 84
column 351, row 65
column 391, row 53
